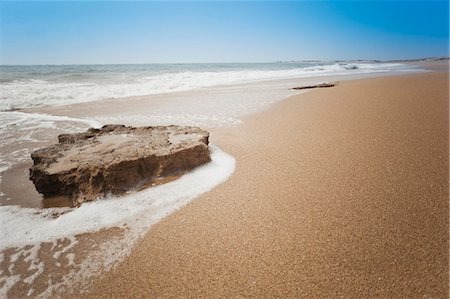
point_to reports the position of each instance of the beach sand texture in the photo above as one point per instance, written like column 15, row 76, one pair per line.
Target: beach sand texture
column 337, row 192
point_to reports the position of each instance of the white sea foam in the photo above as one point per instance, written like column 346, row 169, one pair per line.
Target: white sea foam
column 138, row 210
column 26, row 229
column 42, row 120
column 29, row 92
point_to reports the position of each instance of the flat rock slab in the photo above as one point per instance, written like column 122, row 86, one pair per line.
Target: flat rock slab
column 116, row 159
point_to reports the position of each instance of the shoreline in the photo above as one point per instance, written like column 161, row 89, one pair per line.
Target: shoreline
column 134, row 111
column 89, row 108
column 230, row 140
column 332, row 196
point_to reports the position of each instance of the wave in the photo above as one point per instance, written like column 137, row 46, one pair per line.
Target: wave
column 33, row 92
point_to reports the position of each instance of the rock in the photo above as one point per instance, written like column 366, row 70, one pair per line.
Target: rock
column 322, row 85
column 116, row 159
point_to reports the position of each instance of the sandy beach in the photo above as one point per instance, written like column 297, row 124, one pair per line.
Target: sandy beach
column 338, row 192
column 223, row 149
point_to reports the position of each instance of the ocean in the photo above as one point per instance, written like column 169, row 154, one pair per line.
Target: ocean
column 32, row 86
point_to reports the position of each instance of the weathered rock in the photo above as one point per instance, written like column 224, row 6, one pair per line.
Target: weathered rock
column 322, row 85
column 116, row 159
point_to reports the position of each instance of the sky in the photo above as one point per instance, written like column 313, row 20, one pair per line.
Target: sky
column 189, row 32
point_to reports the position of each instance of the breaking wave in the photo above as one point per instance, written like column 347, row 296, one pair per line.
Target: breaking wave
column 32, row 89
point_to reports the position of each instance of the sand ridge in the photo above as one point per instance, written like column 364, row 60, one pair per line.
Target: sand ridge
column 340, row 192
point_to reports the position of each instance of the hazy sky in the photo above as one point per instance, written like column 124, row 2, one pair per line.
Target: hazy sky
column 153, row 32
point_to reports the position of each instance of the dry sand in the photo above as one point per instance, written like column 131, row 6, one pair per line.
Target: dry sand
column 337, row 192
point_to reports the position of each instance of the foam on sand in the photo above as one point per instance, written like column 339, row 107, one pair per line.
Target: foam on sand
column 23, row 226
column 26, row 229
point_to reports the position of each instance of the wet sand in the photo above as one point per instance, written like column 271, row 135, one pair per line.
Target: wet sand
column 337, row 192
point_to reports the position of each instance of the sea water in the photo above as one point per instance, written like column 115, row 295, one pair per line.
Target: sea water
column 42, row 85
column 207, row 95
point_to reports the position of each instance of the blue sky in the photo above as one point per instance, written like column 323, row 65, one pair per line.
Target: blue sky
column 162, row 32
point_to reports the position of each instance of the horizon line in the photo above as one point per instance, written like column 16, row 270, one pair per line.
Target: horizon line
column 242, row 62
